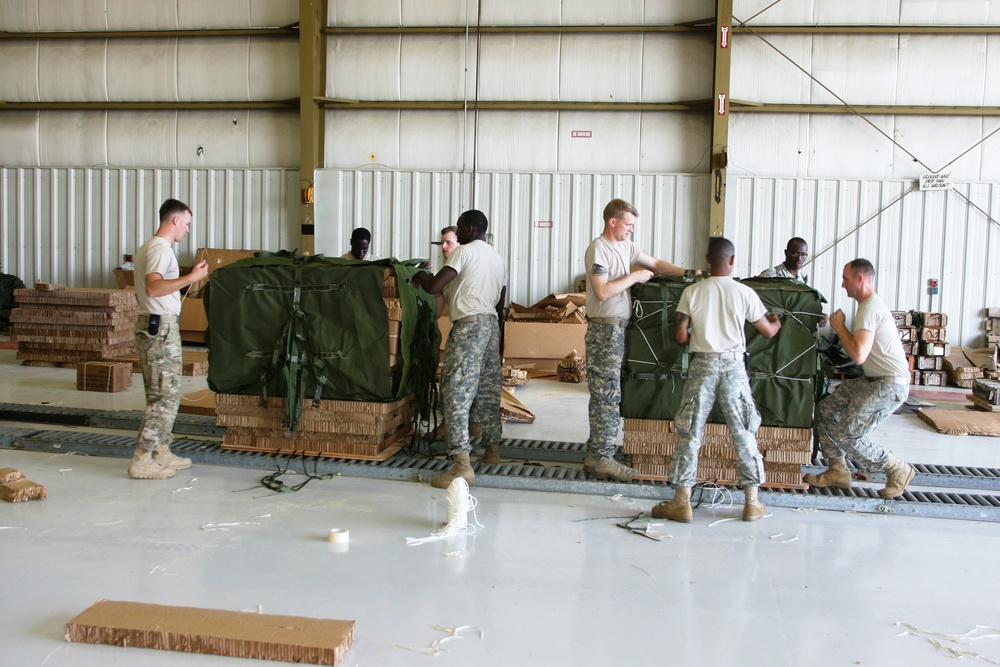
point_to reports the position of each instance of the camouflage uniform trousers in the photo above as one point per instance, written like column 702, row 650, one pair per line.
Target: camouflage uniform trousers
column 724, row 380
column 605, row 355
column 845, row 419
column 162, row 366
column 471, row 382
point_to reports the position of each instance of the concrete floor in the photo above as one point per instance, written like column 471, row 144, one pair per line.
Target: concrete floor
column 550, row 579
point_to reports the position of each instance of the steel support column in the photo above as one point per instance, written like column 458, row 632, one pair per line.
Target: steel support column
column 720, row 116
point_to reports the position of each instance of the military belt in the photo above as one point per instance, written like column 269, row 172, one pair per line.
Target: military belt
column 613, row 321
column 163, row 318
column 716, row 355
column 888, row 379
column 475, row 318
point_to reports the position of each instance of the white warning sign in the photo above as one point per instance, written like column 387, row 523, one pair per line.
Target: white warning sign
column 935, row 181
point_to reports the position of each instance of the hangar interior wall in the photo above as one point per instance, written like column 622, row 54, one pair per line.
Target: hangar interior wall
column 79, row 188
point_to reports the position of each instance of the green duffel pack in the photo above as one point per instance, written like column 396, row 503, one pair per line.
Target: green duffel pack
column 782, row 369
column 314, row 327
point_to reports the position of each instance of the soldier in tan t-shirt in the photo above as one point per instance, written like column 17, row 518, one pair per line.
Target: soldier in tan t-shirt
column 846, row 418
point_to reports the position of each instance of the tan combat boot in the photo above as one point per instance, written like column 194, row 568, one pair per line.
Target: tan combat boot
column 144, row 466
column 589, row 464
column 460, row 468
column 678, row 509
column 611, row 469
column 898, row 474
column 491, row 455
column 837, row 476
column 753, row 509
column 168, row 459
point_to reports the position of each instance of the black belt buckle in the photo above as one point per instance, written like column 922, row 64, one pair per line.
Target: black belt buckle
column 154, row 324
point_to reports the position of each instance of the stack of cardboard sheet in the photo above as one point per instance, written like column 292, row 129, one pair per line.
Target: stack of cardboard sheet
column 70, row 325
column 572, row 368
column 394, row 311
column 345, row 429
column 563, row 308
column 106, row 376
column 650, row 444
column 532, row 341
column 965, row 365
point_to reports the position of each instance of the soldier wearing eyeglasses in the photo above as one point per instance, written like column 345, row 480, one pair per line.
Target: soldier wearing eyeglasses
column 796, row 254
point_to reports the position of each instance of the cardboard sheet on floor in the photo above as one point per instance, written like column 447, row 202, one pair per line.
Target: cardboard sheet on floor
column 238, row 634
column 514, row 410
column 956, row 422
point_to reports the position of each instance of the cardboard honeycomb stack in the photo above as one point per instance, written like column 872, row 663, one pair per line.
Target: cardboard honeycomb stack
column 650, row 444
column 345, row 429
column 238, row 634
column 71, row 325
column 106, row 376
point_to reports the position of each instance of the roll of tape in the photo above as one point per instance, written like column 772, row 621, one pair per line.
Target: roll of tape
column 339, row 535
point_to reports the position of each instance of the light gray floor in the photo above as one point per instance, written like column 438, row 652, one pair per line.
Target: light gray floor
column 550, row 579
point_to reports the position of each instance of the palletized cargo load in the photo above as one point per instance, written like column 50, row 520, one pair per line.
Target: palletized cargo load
column 782, row 370
column 325, row 360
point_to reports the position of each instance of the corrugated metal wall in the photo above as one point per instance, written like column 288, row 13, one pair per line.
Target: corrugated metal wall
column 73, row 226
column 542, row 223
column 924, row 235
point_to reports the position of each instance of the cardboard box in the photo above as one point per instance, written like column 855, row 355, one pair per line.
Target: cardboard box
column 237, row 634
column 194, row 320
column 106, row 376
column 541, row 344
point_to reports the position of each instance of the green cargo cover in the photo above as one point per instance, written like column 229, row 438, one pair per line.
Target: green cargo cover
column 334, row 343
column 783, row 369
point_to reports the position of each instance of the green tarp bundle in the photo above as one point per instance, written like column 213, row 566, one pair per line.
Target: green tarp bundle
column 316, row 327
column 782, row 369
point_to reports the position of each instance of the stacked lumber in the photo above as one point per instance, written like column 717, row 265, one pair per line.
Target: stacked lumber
column 557, row 308
column 106, row 376
column 345, row 429
column 67, row 326
column 650, row 444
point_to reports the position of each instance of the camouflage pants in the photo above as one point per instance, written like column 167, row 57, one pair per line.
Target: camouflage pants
column 845, row 419
column 724, row 380
column 162, row 363
column 471, row 382
column 605, row 354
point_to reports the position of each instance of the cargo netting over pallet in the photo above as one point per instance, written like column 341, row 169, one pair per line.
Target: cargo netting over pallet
column 311, row 330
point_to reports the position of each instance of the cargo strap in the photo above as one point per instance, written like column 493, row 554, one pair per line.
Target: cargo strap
column 293, row 357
